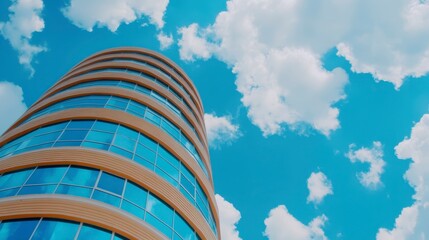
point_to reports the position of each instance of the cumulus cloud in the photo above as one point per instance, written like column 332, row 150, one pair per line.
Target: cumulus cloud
column 281, row 225
column 412, row 222
column 319, row 186
column 278, row 66
column 228, row 217
column 220, row 130
column 12, row 104
column 282, row 84
column 24, row 20
column 374, row 157
column 112, row 13
column 165, row 40
column 192, row 44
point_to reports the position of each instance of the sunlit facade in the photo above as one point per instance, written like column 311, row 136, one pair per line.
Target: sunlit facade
column 116, row 149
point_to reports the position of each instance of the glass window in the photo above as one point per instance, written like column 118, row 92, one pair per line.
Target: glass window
column 159, row 225
column 133, row 209
column 146, row 153
column 74, row 191
column 117, row 103
column 168, row 168
column 37, row 189
column 106, row 198
column 101, row 137
column 14, row 179
column 80, row 124
column 150, row 115
column 135, row 194
column 88, row 232
column 159, row 209
column 105, row 126
column 127, row 132
column 121, row 152
column 183, row 228
column 20, row 229
column 74, row 135
column 9, row 192
column 111, row 183
column 148, row 142
column 125, row 142
column 81, row 176
column 95, row 145
column 50, row 229
column 43, row 175
column 167, row 156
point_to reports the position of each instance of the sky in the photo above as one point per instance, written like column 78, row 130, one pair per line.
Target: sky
column 317, row 112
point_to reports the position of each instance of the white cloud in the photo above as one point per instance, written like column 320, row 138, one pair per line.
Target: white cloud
column 228, row 217
column 192, row 44
column 281, row 225
column 220, row 130
column 373, row 156
column 275, row 46
column 165, row 40
column 112, row 13
column 412, row 223
column 282, row 84
column 319, row 187
column 24, row 20
column 12, row 104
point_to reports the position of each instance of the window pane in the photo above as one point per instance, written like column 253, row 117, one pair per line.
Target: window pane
column 81, row 176
column 153, row 117
column 50, row 229
column 182, row 228
column 127, row 132
column 37, row 189
column 133, row 209
column 159, row 209
column 74, row 191
column 148, row 142
column 167, row 156
column 9, row 192
column 111, row 183
column 14, row 179
column 105, row 126
column 135, row 194
column 146, row 153
column 159, row 225
column 47, row 175
column 17, row 229
column 168, row 168
column 125, row 142
column 76, row 135
column 95, row 145
column 88, row 232
column 106, row 198
column 102, row 137
column 80, row 124
column 121, row 152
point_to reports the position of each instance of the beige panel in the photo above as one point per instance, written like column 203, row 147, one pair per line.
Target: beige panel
column 77, row 209
column 121, row 167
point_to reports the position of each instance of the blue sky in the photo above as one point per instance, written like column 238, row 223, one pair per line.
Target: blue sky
column 317, row 113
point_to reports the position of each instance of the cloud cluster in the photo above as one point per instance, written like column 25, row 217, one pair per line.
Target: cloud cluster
column 319, row 186
column 228, row 217
column 281, row 225
column 374, row 157
column 274, row 47
column 12, row 104
column 165, row 40
column 412, row 222
column 220, row 130
column 112, row 13
column 24, row 20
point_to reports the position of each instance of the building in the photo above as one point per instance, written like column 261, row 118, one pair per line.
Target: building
column 116, row 149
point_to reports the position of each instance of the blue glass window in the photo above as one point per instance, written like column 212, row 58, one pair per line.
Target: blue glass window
column 14, row 179
column 135, row 194
column 43, row 175
column 55, row 229
column 88, row 232
column 17, row 229
column 111, row 183
column 81, row 176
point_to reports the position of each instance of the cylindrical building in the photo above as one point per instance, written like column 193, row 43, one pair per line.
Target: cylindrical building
column 116, row 149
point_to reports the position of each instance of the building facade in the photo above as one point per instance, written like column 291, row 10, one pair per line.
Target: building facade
column 116, row 149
